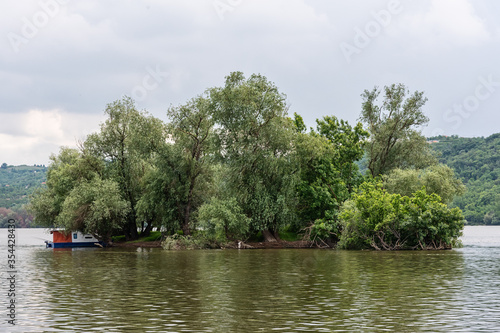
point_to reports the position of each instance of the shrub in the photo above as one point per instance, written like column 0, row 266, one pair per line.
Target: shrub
column 178, row 242
column 221, row 220
column 374, row 218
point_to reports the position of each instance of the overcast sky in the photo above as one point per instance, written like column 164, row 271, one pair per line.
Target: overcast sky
column 62, row 61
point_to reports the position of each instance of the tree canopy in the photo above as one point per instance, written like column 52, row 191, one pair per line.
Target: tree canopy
column 231, row 165
column 255, row 142
column 394, row 127
column 439, row 179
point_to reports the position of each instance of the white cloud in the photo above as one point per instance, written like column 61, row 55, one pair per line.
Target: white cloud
column 43, row 124
column 17, row 150
column 447, row 23
column 31, row 137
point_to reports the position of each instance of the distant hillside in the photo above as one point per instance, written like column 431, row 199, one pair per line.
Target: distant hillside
column 16, row 185
column 477, row 162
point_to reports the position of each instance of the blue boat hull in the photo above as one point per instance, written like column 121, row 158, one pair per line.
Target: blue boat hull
column 79, row 244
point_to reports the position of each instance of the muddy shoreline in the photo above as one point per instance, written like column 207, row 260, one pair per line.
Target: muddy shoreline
column 234, row 245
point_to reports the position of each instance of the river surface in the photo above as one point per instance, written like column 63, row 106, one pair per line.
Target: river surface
column 296, row 290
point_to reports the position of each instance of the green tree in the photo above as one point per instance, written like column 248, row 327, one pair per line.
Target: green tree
column 94, row 207
column 223, row 219
column 77, row 198
column 114, row 158
column 395, row 138
column 255, row 140
column 328, row 173
column 439, row 179
column 180, row 180
column 127, row 142
column 66, row 171
column 348, row 143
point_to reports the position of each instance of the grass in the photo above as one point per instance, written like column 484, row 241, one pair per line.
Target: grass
column 289, row 236
column 120, row 238
column 153, row 236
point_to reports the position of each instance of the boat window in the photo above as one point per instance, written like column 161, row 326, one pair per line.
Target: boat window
column 75, row 236
column 88, row 237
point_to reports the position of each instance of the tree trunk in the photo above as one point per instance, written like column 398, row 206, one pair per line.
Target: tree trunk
column 134, row 235
column 185, row 225
column 147, row 231
column 126, row 232
column 268, row 236
column 131, row 232
column 187, row 212
column 185, row 229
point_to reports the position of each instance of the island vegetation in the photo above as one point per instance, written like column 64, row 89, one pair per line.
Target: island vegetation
column 231, row 165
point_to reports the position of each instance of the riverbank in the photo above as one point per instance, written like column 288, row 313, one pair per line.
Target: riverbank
column 154, row 240
column 282, row 244
column 149, row 244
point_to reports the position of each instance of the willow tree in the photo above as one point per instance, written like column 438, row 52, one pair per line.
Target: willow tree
column 395, row 129
column 126, row 143
column 77, row 198
column 63, row 175
column 179, row 182
column 255, row 139
column 94, row 207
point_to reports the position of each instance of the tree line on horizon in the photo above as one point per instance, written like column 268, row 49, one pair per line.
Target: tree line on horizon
column 231, row 163
column 17, row 183
column 476, row 161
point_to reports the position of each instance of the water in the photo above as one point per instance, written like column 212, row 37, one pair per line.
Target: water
column 151, row 290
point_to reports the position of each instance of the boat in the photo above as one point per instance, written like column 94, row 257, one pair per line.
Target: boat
column 60, row 239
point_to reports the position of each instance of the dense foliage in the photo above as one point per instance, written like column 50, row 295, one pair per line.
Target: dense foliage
column 231, row 164
column 17, row 183
column 254, row 141
column 375, row 218
column 438, row 178
column 328, row 174
column 476, row 161
column 395, row 125
column 115, row 160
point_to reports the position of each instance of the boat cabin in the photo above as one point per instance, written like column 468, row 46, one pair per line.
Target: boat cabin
column 73, row 239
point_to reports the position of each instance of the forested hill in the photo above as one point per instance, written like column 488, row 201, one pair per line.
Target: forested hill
column 477, row 162
column 16, row 185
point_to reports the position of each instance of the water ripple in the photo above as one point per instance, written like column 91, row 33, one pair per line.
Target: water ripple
column 150, row 290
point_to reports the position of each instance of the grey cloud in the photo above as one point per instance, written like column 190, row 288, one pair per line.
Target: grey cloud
column 94, row 52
